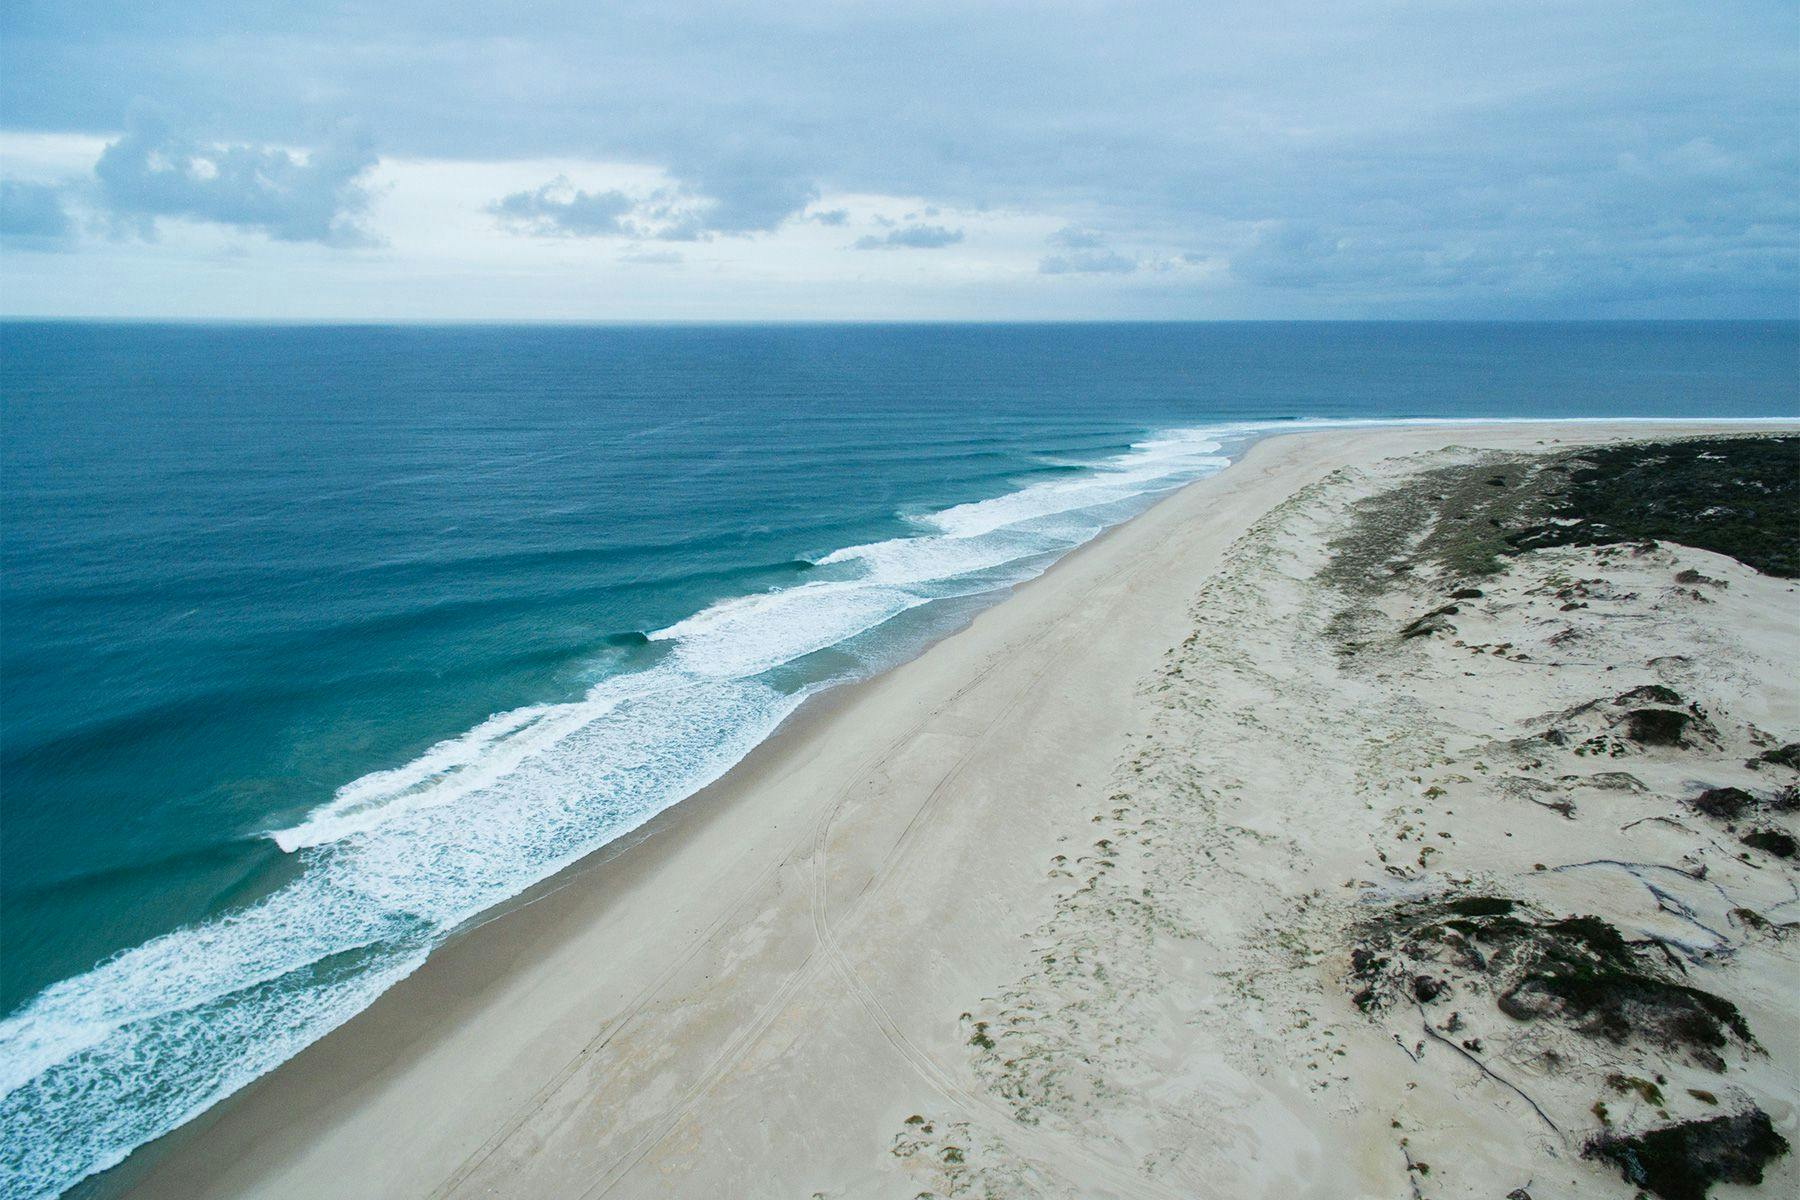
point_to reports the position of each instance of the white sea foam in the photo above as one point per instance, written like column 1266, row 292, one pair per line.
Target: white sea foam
column 445, row 773
column 743, row 636
column 751, row 634
column 100, row 1063
column 1043, row 518
column 928, row 559
column 1164, row 461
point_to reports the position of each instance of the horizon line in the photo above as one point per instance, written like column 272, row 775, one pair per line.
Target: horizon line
column 800, row 322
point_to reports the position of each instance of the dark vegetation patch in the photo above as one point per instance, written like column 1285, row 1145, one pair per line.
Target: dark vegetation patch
column 1752, row 920
column 1480, row 906
column 1657, row 726
column 1596, row 727
column 1448, row 518
column 1724, row 803
column 1683, row 1161
column 1580, row 971
column 1435, row 621
column 1733, row 804
column 1771, row 841
column 1427, row 988
column 1734, row 496
column 1785, row 756
column 1644, row 1089
column 1666, row 724
column 1650, row 693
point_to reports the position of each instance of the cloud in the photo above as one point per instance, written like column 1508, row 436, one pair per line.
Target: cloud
column 1339, row 263
column 1287, row 254
column 1523, row 157
column 743, row 190
column 834, row 216
column 1086, row 253
column 559, row 208
column 1087, row 262
column 32, row 216
column 1073, row 237
column 736, row 197
column 912, row 237
column 155, row 171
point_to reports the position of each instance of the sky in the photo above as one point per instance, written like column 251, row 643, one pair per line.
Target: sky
column 900, row 160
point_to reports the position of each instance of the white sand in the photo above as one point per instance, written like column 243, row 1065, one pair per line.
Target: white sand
column 1121, row 829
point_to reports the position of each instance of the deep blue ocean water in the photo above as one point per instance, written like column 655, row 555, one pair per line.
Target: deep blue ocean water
column 317, row 642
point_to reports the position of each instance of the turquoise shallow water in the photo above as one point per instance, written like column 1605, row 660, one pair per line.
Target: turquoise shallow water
column 320, row 641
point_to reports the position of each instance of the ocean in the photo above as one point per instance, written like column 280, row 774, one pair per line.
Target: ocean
column 317, row 643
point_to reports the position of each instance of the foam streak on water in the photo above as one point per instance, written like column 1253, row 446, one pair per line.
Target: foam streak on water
column 101, row 1063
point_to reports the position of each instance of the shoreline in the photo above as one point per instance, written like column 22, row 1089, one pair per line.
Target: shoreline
column 539, row 915
column 597, row 968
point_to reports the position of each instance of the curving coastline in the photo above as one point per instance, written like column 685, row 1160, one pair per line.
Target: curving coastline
column 877, row 857
column 401, row 857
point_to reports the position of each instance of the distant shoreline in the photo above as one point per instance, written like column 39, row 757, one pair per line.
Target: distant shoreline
column 948, row 323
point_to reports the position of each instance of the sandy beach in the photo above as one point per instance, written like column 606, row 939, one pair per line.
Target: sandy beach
column 1127, row 889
